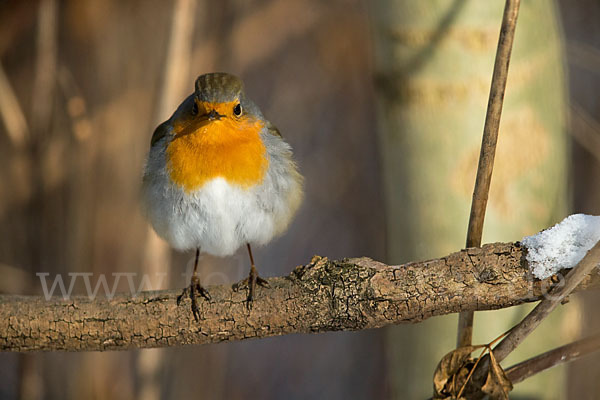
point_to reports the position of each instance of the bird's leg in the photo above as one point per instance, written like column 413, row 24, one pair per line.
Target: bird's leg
column 253, row 277
column 194, row 288
column 252, row 280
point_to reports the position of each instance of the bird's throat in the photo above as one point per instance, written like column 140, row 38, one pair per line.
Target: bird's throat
column 229, row 149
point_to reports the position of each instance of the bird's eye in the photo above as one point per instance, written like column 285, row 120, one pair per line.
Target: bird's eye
column 195, row 109
column 237, row 110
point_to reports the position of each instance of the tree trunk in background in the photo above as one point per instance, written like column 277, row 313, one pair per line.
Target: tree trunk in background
column 434, row 64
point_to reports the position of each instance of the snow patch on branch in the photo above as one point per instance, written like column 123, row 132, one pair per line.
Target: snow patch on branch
column 561, row 246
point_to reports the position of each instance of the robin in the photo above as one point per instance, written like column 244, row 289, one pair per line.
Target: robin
column 219, row 176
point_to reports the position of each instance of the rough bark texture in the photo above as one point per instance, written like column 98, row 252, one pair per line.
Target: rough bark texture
column 325, row 295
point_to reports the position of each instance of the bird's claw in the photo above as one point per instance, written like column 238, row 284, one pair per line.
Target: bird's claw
column 250, row 282
column 193, row 290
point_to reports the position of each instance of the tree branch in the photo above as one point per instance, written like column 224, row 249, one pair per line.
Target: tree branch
column 582, row 271
column 352, row 294
column 546, row 306
column 572, row 351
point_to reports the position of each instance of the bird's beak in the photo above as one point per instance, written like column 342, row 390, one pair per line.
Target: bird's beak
column 213, row 115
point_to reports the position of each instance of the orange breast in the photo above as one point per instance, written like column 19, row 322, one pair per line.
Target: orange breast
column 224, row 148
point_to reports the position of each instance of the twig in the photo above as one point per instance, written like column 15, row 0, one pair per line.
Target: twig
column 11, row 113
column 462, row 389
column 45, row 74
column 488, row 148
column 487, row 347
column 352, row 294
column 553, row 299
column 523, row 370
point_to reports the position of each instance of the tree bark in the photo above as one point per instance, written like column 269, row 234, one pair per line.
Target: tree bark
column 325, row 295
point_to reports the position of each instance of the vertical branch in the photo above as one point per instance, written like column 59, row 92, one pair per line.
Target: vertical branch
column 175, row 78
column 12, row 113
column 177, row 65
column 42, row 94
column 45, row 70
column 173, row 88
column 41, row 111
column 488, row 147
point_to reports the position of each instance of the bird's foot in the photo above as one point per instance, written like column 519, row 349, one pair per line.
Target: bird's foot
column 193, row 290
column 250, row 282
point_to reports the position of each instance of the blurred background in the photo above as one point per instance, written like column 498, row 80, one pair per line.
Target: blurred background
column 383, row 103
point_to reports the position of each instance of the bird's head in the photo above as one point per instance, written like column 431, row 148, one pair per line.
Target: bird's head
column 215, row 132
column 218, row 110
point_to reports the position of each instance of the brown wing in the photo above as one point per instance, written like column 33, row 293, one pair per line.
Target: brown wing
column 160, row 132
column 273, row 130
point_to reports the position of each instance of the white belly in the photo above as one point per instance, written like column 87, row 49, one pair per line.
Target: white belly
column 218, row 218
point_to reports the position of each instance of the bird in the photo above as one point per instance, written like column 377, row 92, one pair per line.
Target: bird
column 219, row 176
